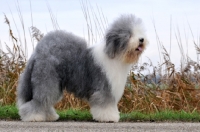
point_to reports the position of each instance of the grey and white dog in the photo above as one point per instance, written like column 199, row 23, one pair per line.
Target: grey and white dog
column 98, row 74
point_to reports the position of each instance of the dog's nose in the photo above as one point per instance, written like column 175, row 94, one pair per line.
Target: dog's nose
column 141, row 40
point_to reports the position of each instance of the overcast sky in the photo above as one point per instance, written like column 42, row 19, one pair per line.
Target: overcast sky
column 183, row 14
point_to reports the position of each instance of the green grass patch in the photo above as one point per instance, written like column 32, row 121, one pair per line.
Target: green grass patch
column 175, row 116
column 134, row 117
column 162, row 116
column 75, row 115
column 11, row 113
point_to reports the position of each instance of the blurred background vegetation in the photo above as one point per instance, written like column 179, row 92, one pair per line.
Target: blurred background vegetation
column 149, row 88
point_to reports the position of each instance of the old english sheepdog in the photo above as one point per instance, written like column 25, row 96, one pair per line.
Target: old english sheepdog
column 97, row 74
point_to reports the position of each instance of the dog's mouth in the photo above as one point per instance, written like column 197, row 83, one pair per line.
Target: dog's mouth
column 140, row 48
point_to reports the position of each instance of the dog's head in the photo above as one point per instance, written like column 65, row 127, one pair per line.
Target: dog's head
column 126, row 39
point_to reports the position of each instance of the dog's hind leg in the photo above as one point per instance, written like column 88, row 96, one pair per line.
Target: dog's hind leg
column 32, row 111
column 50, row 95
column 46, row 92
column 36, row 111
column 50, row 100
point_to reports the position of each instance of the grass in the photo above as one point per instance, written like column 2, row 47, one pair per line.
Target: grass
column 11, row 113
column 166, row 115
column 75, row 115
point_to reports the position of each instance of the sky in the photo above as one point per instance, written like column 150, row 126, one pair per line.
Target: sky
column 175, row 21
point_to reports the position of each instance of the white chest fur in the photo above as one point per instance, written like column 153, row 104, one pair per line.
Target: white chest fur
column 116, row 71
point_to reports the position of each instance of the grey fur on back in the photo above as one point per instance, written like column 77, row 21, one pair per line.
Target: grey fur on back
column 61, row 60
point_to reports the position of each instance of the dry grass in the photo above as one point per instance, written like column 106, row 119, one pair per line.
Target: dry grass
column 164, row 88
column 12, row 63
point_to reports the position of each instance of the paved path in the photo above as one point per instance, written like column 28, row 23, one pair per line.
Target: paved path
column 18, row 126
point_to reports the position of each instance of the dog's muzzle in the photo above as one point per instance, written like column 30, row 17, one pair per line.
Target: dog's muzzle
column 141, row 45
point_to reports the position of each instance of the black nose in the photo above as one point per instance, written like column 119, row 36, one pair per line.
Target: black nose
column 141, row 40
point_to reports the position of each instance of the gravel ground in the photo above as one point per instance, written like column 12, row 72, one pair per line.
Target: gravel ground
column 18, row 126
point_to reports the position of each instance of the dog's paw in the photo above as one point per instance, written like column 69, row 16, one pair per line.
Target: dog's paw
column 34, row 118
column 53, row 117
column 108, row 114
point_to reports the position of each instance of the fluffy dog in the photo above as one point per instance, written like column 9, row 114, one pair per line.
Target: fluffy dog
column 98, row 74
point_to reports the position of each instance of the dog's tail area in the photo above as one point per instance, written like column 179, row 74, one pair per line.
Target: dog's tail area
column 24, row 88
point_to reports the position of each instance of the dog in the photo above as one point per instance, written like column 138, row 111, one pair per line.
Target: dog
column 63, row 61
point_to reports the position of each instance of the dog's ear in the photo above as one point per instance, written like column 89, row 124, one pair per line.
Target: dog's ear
column 116, row 42
column 111, row 42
